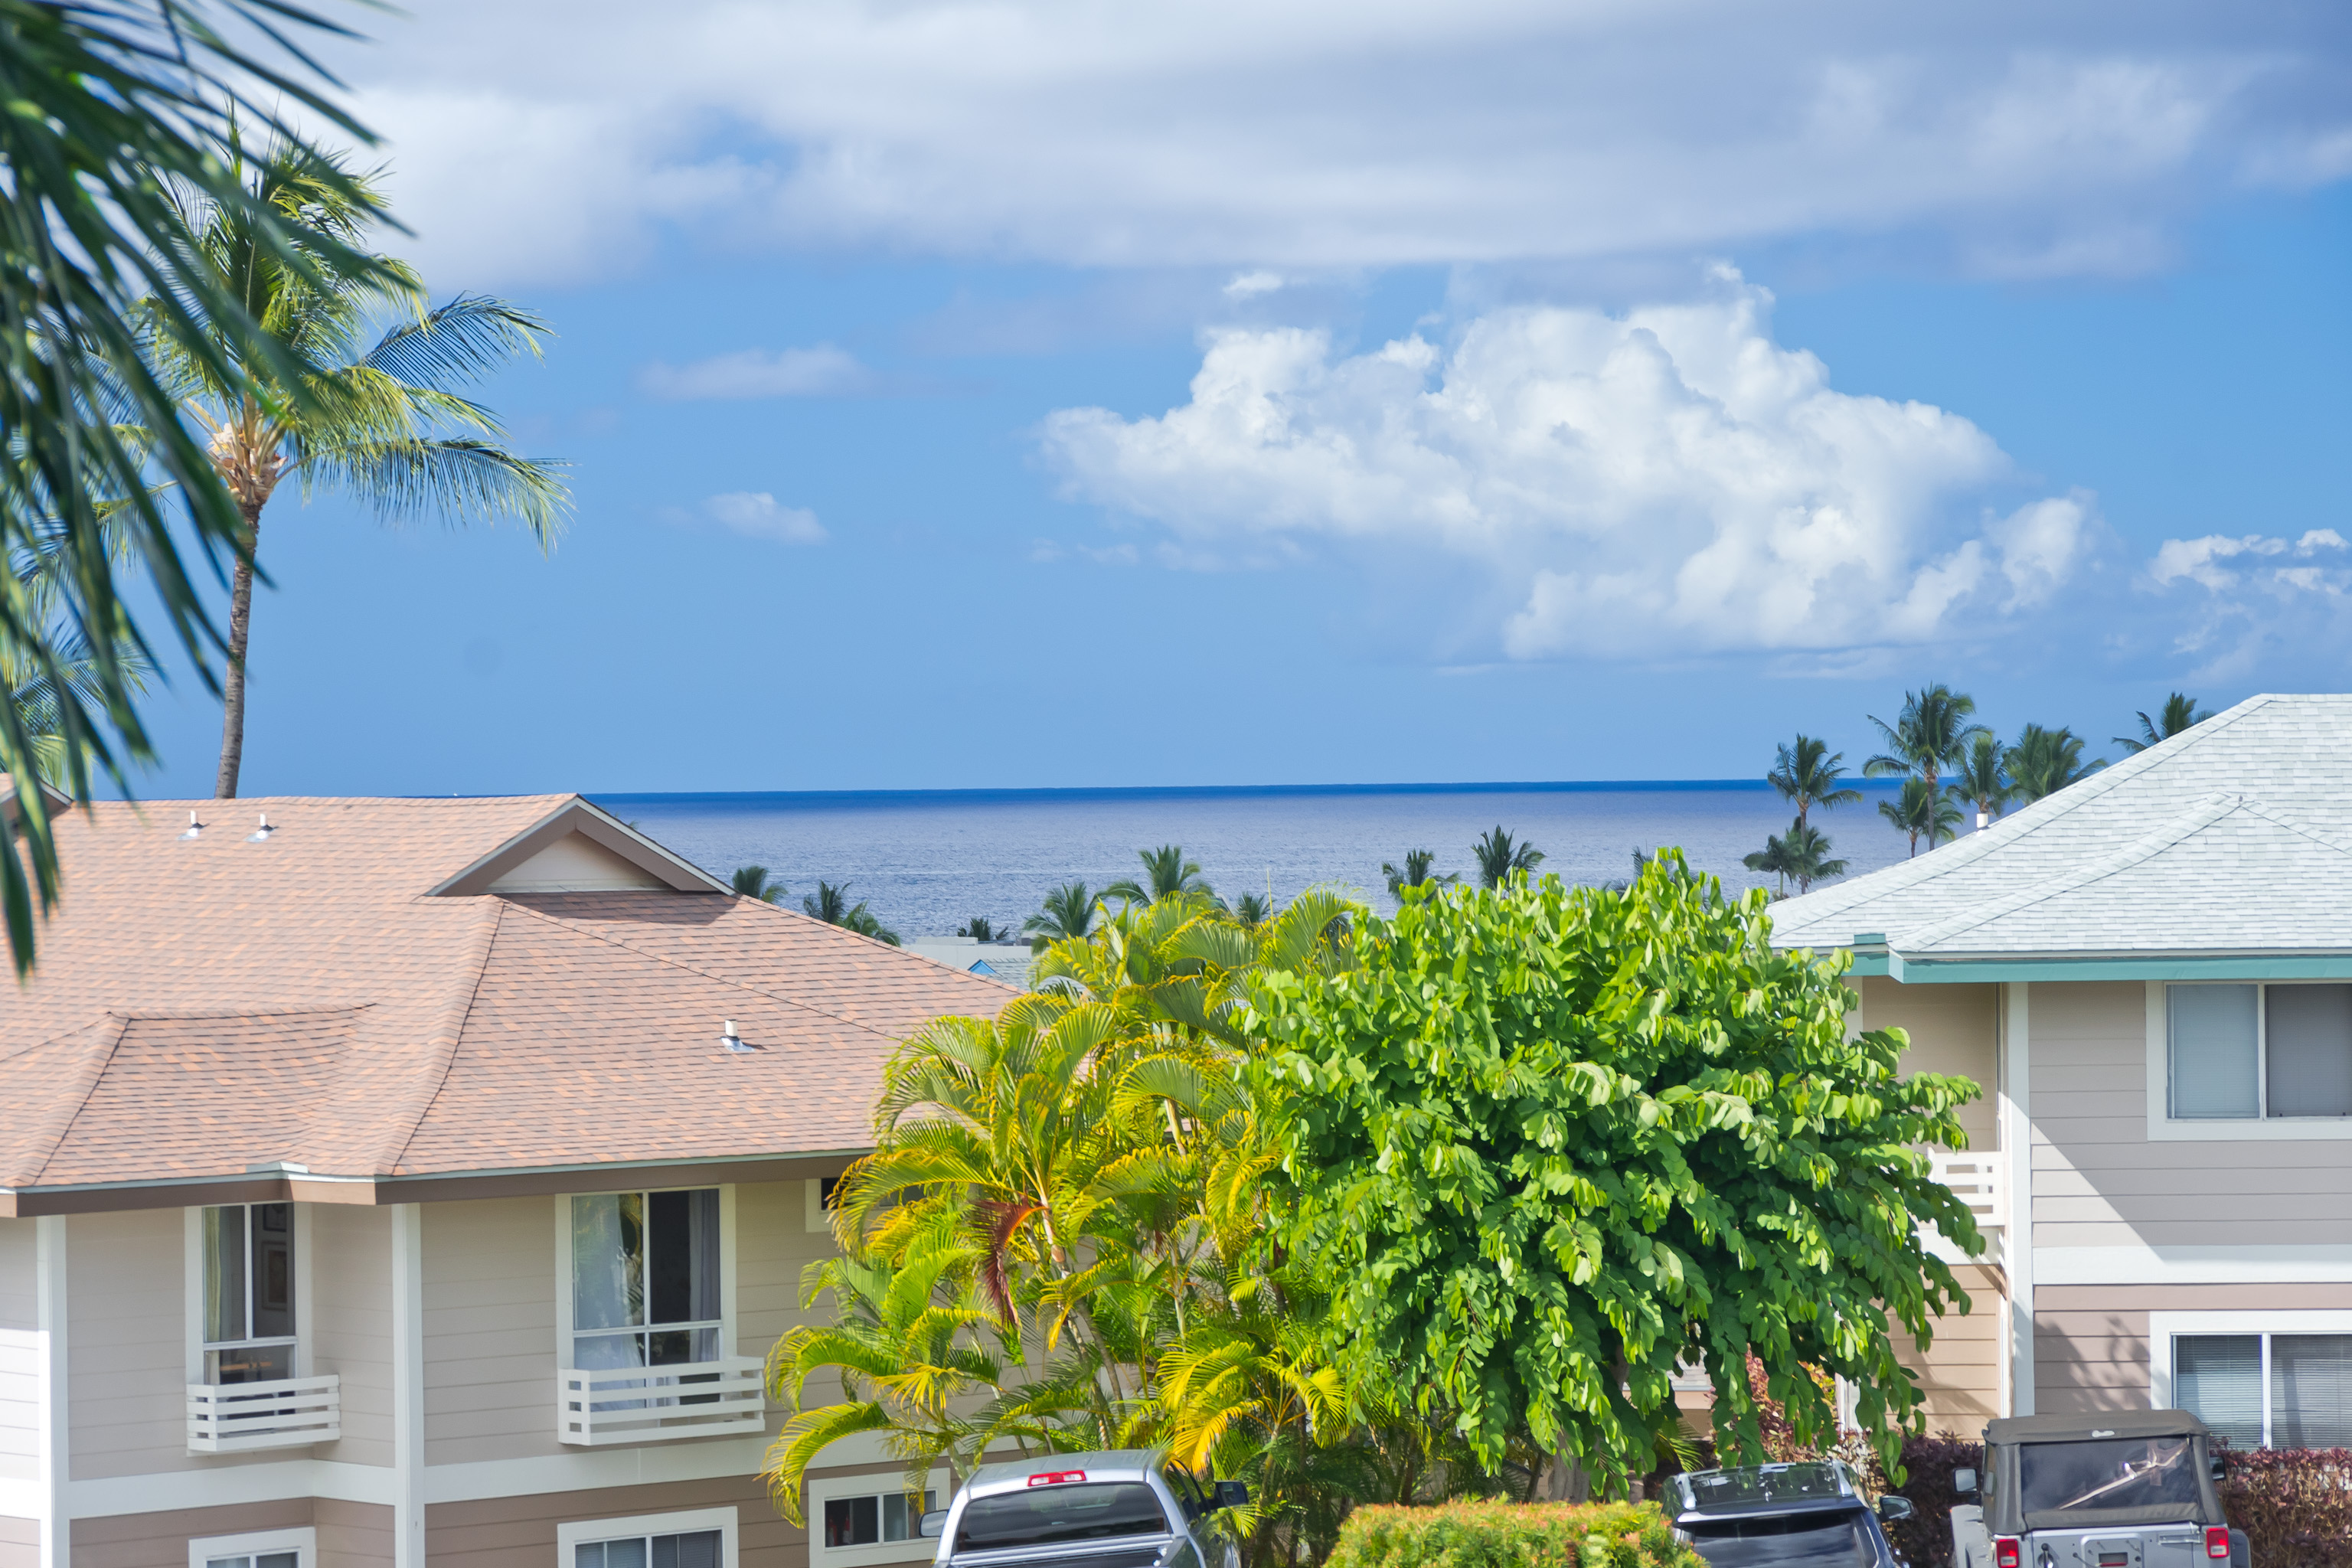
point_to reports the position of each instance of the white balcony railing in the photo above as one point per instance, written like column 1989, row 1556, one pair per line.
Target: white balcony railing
column 292, row 1413
column 1977, row 1180
column 654, row 1403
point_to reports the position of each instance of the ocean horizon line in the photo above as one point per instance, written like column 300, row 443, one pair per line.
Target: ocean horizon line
column 772, row 798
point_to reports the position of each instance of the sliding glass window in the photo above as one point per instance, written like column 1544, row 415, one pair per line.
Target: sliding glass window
column 248, row 1292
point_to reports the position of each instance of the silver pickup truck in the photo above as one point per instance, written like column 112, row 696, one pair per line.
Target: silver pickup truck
column 1124, row 1508
column 2126, row 1489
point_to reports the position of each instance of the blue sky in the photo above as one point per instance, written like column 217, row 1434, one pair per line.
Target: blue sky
column 1055, row 395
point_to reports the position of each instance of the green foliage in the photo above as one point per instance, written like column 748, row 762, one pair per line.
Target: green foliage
column 1500, row 858
column 1069, row 914
column 1927, row 736
column 1983, row 781
column 2180, row 713
column 2045, row 762
column 1420, row 866
column 754, row 882
column 1167, row 874
column 980, row 927
column 1922, row 813
column 1808, row 773
column 830, row 903
column 1512, row 1535
column 1547, row 1144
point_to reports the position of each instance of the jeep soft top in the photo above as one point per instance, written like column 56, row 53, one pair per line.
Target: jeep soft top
column 2107, row 1469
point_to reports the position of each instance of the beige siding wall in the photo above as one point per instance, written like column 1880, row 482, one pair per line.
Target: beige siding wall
column 128, row 1350
column 1953, row 1029
column 20, row 1357
column 1960, row 1372
column 350, row 1324
column 161, row 1540
column 2098, row 1181
column 2090, row 1341
column 352, row 1534
column 772, row 1245
column 20, row 1542
column 490, row 1330
column 521, row 1531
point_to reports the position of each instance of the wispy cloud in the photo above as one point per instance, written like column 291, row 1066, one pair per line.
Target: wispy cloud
column 755, row 514
column 823, row 371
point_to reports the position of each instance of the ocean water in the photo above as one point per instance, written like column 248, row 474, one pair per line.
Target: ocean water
column 925, row 861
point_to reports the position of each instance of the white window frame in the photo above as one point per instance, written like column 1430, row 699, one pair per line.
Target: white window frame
column 302, row 1541
column 728, row 1343
column 2163, row 1328
column 2163, row 1127
column 574, row 1533
column 193, row 1281
column 823, row 1490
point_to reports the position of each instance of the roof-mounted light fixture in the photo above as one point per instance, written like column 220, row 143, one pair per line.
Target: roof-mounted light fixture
column 196, row 828
column 261, row 834
column 731, row 1041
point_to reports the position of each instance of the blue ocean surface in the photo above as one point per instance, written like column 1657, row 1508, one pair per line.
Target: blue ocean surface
column 928, row 860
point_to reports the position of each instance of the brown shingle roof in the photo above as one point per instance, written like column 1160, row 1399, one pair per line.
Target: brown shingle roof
column 206, row 1006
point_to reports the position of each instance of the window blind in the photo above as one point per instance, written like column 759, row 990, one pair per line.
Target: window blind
column 2216, row 1051
column 2311, row 1391
column 2218, row 1378
column 2310, row 1050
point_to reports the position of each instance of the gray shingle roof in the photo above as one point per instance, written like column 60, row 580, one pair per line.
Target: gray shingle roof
column 2235, row 837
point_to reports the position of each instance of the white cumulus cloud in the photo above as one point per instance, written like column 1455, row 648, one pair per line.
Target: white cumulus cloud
column 2238, row 600
column 755, row 515
column 820, row 372
column 1671, row 480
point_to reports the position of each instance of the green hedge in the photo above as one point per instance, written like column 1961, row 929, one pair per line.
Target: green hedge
column 1511, row 1535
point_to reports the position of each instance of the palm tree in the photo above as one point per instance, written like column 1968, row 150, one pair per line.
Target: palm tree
column 113, row 106
column 2181, row 712
column 1772, row 858
column 753, row 882
column 1927, row 737
column 1167, row 873
column 1922, row 813
column 1500, row 859
column 1418, row 867
column 2045, row 762
column 1983, row 780
column 1808, row 773
column 1069, row 911
column 980, row 927
column 1253, row 910
column 383, row 423
column 1807, row 851
column 831, row 904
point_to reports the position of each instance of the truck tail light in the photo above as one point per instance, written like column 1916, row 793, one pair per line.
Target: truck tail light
column 1064, row 1477
column 2006, row 1553
column 2217, row 1541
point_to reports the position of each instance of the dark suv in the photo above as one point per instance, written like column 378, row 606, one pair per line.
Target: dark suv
column 1783, row 1516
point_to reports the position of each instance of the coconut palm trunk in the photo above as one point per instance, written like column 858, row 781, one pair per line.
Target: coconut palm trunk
column 240, row 626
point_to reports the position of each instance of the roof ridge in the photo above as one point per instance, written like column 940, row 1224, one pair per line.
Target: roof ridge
column 2209, row 810
column 450, row 1029
column 93, row 1068
column 722, row 979
column 2296, row 826
column 2025, row 822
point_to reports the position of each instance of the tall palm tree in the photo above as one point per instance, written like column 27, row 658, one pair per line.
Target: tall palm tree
column 830, row 903
column 753, row 882
column 1420, row 866
column 1773, row 858
column 1253, row 910
column 1983, row 780
column 2045, row 762
column 1166, row 872
column 1922, row 813
column 1069, row 910
column 1808, row 773
column 2180, row 713
column 1927, row 737
column 1807, row 850
column 110, row 107
column 1500, row 859
column 382, row 423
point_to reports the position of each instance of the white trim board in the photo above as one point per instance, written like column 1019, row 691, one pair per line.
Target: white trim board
column 569, row 1534
column 302, row 1541
column 2312, row 1265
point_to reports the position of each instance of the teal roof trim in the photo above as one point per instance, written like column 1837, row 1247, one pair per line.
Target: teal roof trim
column 1888, row 964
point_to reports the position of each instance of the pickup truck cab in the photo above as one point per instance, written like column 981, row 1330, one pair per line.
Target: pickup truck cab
column 1116, row 1509
column 2120, row 1488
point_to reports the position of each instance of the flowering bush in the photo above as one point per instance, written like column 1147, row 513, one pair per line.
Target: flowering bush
column 1511, row 1535
column 2294, row 1504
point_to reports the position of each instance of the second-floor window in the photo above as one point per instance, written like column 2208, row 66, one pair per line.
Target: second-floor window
column 644, row 1279
column 248, row 1292
column 2252, row 1052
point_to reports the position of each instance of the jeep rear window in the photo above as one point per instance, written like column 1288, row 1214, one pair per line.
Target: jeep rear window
column 1839, row 1540
column 2111, row 1473
column 1053, row 1515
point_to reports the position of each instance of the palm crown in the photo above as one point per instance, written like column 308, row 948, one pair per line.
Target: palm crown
column 2045, row 762
column 1419, row 866
column 1983, row 780
column 1500, row 858
column 1808, row 773
column 1166, row 873
column 380, row 422
column 2180, row 713
column 1068, row 911
column 1927, row 736
column 754, row 882
column 1922, row 813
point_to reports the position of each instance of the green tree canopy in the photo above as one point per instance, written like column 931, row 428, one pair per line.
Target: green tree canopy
column 1808, row 773
column 1921, row 813
column 1551, row 1143
column 1500, row 857
column 1167, row 872
column 1929, row 735
column 754, row 882
column 830, row 903
column 1983, row 781
column 1068, row 914
column 2180, row 713
column 1420, row 866
column 2045, row 762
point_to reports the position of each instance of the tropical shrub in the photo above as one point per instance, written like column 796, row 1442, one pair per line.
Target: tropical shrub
column 1547, row 1143
column 1511, row 1535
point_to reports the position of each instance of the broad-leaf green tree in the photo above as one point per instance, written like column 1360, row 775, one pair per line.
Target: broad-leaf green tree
column 380, row 421
column 1167, row 873
column 1808, row 773
column 1983, row 782
column 2179, row 713
column 1501, row 858
column 1420, row 866
column 1927, row 736
column 1921, row 813
column 113, row 106
column 1068, row 913
column 2045, row 762
column 1553, row 1142
column 754, row 882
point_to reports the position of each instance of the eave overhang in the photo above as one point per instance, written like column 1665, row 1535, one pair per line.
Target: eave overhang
column 1873, row 957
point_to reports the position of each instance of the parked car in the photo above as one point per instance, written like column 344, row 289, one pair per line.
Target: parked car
column 1810, row 1515
column 1125, row 1508
column 2124, row 1489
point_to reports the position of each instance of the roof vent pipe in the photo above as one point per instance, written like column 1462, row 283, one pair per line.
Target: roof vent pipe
column 1983, row 821
column 261, row 834
column 196, row 828
column 729, row 1041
